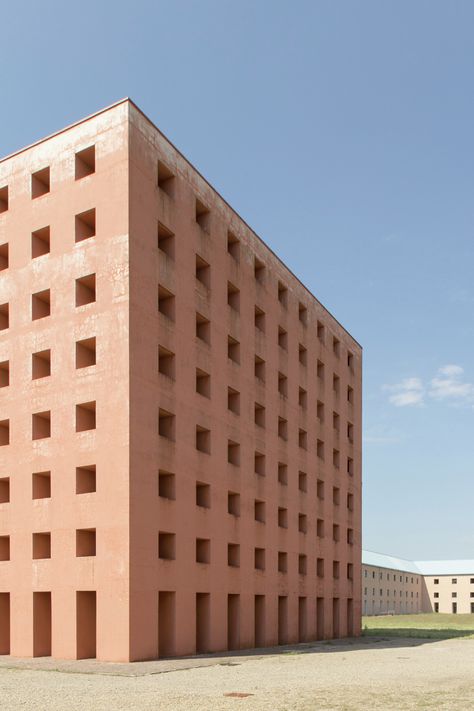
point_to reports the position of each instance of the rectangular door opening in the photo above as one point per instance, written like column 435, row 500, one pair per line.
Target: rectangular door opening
column 203, row 622
column 319, row 618
column 282, row 619
column 166, row 624
column 259, row 620
column 42, row 624
column 233, row 621
column 86, row 624
column 335, row 618
column 4, row 623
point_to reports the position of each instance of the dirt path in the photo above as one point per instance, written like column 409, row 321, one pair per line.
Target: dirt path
column 395, row 674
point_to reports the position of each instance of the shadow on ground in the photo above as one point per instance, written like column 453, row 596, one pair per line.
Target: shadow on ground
column 371, row 640
column 422, row 634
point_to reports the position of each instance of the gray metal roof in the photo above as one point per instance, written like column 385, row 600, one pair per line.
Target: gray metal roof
column 420, row 567
column 381, row 560
column 446, row 567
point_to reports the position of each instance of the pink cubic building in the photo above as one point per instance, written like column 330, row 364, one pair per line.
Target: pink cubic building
column 180, row 419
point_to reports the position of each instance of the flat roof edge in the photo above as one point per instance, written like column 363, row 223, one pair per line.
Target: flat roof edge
column 66, row 128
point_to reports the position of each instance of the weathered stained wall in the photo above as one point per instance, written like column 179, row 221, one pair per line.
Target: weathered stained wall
column 106, row 384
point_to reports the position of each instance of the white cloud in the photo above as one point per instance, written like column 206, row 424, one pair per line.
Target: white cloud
column 448, row 385
column 408, row 392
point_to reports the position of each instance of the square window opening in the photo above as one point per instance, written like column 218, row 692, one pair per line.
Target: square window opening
column 85, row 162
column 85, row 225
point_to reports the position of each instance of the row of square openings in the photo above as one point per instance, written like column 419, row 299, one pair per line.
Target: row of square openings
column 85, row 228
column 167, row 490
column 203, row 387
column 86, row 483
column 167, row 360
column 41, row 361
column 41, row 179
column 41, row 544
column 167, row 429
column 85, row 293
column 166, row 303
column 167, row 551
column 41, row 423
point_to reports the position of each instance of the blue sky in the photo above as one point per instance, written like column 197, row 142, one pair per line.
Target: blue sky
column 342, row 132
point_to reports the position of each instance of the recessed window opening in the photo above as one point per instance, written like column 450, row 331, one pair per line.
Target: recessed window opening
column 166, row 302
column 4, row 261
column 260, row 368
column 166, row 241
column 41, row 364
column 203, row 272
column 40, row 242
column 5, row 490
column 40, row 183
column 41, row 304
column 85, row 290
column 86, row 416
column 86, row 353
column 282, row 473
column 203, row 328
column 203, row 439
column 41, row 485
column 4, row 199
column 233, row 503
column 85, row 225
column 4, row 432
column 203, row 495
column 259, row 270
column 282, row 294
column 203, row 216
column 166, row 545
column 233, row 297
column 85, row 542
column 166, row 424
column 166, row 485
column 233, row 246
column 86, row 482
column 85, row 162
column 41, row 425
column 165, row 179
column 4, row 374
column 233, row 401
column 303, row 314
column 259, row 459
column 166, row 362
column 203, row 383
column 233, row 453
column 233, row 349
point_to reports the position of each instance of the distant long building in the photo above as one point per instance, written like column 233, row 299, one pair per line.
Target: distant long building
column 393, row 585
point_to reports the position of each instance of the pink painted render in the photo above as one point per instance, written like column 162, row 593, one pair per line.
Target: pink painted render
column 144, row 510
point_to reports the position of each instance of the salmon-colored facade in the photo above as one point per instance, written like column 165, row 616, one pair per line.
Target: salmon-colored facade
column 180, row 425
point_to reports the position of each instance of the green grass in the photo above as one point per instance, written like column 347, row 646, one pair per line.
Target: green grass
column 432, row 626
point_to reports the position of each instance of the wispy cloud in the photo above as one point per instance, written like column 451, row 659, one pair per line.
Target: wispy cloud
column 408, row 392
column 448, row 385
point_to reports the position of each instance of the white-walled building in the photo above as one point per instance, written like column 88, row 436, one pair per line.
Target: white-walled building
column 397, row 586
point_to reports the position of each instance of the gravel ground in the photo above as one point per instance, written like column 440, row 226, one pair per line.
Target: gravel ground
column 368, row 674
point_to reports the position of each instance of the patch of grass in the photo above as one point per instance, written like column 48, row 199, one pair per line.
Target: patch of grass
column 430, row 626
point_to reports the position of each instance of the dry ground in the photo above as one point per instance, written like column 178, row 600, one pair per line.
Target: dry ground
column 371, row 673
